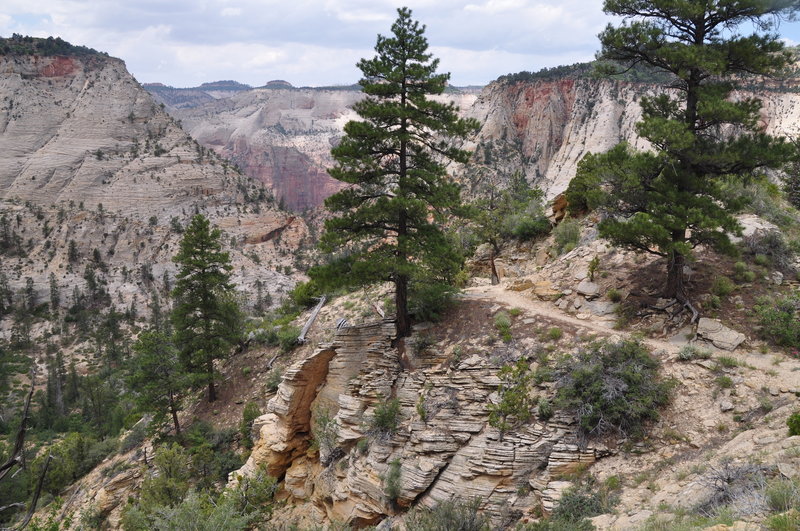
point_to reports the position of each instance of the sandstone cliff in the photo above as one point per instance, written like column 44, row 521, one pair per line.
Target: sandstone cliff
column 544, row 127
column 87, row 156
column 280, row 136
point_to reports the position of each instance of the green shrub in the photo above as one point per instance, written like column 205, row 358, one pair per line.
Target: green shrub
column 727, row 362
column 449, row 515
column 305, row 294
column 516, row 404
column 794, row 424
column 362, row 446
column 254, row 494
column 287, row 337
column 594, row 263
column 783, row 494
column 555, row 333
column 722, row 286
column 741, row 272
column 323, row 429
column 773, row 245
column 385, row 419
column 761, row 259
column 789, row 521
column 567, row 234
column 723, row 382
column 578, row 503
column 134, row 437
column 195, row 511
column 273, row 379
column 613, row 387
column 614, row 295
column 502, row 321
column 250, row 413
column 428, row 301
column 529, row 227
column 691, row 352
column 780, row 320
column 584, row 192
column 392, row 486
column 545, row 410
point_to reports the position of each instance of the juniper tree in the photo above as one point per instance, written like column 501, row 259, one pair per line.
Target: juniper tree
column 206, row 317
column 390, row 219
column 668, row 200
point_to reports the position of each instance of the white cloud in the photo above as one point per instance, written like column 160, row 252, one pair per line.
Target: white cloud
column 315, row 42
column 496, row 6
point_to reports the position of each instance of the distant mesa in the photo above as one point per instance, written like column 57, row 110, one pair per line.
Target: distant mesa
column 227, row 84
column 278, row 84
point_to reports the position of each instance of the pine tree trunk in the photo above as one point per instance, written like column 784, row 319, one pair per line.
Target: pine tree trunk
column 401, row 302
column 174, row 412
column 212, row 392
column 495, row 276
column 674, row 288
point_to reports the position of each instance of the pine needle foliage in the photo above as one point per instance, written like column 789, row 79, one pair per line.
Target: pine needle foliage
column 670, row 199
column 389, row 220
column 206, row 316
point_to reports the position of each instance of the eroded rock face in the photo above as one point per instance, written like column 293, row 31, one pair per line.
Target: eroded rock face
column 544, row 127
column 87, row 156
column 444, row 445
column 279, row 136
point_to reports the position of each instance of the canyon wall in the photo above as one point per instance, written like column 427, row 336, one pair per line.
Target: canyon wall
column 544, row 127
column 280, row 136
column 88, row 159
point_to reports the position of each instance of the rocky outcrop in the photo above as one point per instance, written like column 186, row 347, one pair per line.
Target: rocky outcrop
column 443, row 444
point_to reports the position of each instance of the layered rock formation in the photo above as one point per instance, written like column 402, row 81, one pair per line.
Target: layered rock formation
column 443, row 445
column 544, row 127
column 280, row 136
column 89, row 160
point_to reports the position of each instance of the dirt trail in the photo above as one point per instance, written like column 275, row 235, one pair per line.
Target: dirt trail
column 500, row 294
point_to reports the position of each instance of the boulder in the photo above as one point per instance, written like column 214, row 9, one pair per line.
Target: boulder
column 521, row 285
column 588, row 288
column 601, row 308
column 544, row 290
column 720, row 335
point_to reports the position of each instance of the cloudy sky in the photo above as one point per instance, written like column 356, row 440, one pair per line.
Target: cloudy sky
column 314, row 42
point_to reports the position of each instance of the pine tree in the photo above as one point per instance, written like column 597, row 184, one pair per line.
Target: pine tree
column 157, row 376
column 671, row 199
column 206, row 317
column 55, row 295
column 389, row 220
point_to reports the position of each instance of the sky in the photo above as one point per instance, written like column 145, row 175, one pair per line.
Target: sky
column 184, row 43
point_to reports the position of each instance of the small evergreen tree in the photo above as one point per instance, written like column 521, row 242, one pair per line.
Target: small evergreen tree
column 206, row 316
column 157, row 377
column 389, row 220
column 501, row 213
column 669, row 200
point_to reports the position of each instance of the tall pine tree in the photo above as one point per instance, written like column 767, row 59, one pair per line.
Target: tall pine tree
column 669, row 200
column 390, row 219
column 206, row 316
